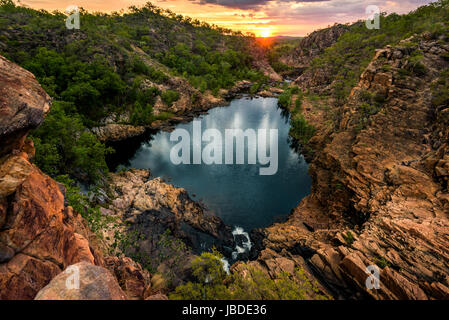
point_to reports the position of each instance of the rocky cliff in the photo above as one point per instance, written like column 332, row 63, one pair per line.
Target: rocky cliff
column 40, row 236
column 158, row 224
column 380, row 193
column 311, row 46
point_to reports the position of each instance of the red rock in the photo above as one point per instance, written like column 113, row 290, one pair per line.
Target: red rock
column 401, row 287
column 393, row 186
column 157, row 296
column 23, row 276
column 23, row 105
column 135, row 281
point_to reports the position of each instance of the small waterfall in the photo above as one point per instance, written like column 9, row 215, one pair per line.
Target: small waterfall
column 243, row 242
column 242, row 245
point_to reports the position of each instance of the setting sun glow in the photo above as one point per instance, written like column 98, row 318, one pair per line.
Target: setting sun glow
column 276, row 17
column 265, row 33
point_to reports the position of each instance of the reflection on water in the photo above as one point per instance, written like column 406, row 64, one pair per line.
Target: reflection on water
column 236, row 193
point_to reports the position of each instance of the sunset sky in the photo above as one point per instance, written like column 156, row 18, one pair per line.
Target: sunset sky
column 262, row 17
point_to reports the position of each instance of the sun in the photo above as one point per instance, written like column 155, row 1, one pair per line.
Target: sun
column 265, row 33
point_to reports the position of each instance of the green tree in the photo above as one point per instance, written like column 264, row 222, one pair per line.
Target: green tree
column 63, row 145
column 211, row 282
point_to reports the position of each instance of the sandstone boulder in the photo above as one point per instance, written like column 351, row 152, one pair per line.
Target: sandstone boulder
column 23, row 105
column 82, row 281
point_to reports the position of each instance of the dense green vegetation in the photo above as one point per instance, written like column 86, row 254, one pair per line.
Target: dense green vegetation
column 278, row 49
column 111, row 68
column 213, row 283
column 64, row 146
column 81, row 204
column 285, row 99
column 301, row 129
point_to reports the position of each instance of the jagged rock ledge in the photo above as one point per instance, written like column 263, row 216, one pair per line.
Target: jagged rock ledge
column 380, row 193
column 147, row 207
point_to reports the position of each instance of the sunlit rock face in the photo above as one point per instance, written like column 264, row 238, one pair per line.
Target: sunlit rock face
column 39, row 235
column 23, row 105
column 95, row 283
column 380, row 192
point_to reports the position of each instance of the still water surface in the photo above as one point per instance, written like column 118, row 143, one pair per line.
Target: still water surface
column 236, row 193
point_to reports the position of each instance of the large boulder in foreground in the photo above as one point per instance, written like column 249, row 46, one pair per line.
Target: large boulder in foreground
column 23, row 105
column 95, row 283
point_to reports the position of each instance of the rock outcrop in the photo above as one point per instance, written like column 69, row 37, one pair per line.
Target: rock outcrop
column 39, row 235
column 135, row 192
column 159, row 224
column 311, row 46
column 133, row 279
column 380, row 194
column 82, row 281
column 23, row 106
column 273, row 264
column 114, row 132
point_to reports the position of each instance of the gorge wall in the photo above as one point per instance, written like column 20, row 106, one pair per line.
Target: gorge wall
column 380, row 192
column 40, row 236
column 311, row 46
column 380, row 196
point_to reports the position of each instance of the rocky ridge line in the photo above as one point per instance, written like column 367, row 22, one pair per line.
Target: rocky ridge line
column 379, row 193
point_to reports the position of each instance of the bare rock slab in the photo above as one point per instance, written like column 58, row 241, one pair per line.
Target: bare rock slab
column 82, row 281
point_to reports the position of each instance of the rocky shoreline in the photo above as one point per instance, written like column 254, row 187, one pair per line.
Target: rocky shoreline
column 113, row 132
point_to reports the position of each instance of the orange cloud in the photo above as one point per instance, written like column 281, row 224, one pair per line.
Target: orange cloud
column 280, row 17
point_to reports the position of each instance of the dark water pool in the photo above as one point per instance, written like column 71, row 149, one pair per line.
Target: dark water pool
column 236, row 193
